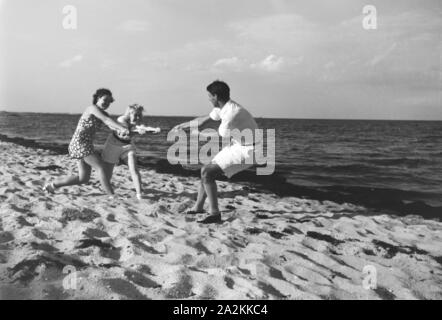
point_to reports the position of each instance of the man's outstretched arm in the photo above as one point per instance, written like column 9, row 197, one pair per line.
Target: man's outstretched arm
column 198, row 120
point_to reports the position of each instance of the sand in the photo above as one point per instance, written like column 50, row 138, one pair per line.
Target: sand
column 268, row 247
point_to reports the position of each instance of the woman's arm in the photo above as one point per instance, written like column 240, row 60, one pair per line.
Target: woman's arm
column 108, row 121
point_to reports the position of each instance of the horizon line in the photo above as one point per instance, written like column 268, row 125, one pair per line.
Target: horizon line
column 256, row 117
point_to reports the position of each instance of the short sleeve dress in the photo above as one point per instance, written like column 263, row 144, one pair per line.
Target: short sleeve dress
column 82, row 142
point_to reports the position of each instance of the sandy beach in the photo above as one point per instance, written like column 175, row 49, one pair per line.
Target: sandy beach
column 268, row 247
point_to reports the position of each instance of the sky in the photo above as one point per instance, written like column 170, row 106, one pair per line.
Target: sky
column 281, row 58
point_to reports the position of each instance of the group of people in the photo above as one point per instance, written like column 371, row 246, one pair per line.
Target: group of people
column 120, row 146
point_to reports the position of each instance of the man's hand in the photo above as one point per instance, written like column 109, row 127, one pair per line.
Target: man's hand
column 179, row 127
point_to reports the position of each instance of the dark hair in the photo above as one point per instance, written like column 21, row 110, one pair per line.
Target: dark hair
column 99, row 93
column 220, row 89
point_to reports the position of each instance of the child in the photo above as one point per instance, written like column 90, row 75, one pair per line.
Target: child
column 119, row 146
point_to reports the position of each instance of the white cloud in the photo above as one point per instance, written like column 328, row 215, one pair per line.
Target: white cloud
column 108, row 63
column 271, row 63
column 134, row 26
column 157, row 61
column 382, row 56
column 229, row 64
column 69, row 62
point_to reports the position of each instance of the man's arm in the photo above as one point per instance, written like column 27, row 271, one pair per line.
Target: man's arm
column 199, row 122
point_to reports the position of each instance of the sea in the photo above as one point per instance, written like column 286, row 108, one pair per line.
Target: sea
column 378, row 162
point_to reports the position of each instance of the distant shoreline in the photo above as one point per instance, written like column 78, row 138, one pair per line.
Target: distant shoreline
column 266, row 118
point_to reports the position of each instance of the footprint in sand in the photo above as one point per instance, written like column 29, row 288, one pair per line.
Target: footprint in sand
column 38, row 234
column 209, row 293
column 27, row 269
column 140, row 279
column 95, row 233
column 71, row 214
column 124, row 288
column 229, row 282
column 3, row 258
column 182, row 289
column 107, row 250
column 6, row 236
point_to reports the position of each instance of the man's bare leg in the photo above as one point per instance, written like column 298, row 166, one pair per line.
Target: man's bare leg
column 209, row 173
column 199, row 204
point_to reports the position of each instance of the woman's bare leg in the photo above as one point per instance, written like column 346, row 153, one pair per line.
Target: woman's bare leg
column 84, row 174
column 109, row 168
column 134, row 172
column 97, row 163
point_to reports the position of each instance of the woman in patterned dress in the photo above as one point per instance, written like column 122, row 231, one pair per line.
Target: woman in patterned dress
column 81, row 146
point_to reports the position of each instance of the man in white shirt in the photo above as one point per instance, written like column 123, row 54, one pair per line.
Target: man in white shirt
column 236, row 123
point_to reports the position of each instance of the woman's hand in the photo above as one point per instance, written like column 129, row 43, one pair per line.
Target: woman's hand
column 124, row 132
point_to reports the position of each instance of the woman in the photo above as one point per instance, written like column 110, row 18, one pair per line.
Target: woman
column 120, row 147
column 81, row 146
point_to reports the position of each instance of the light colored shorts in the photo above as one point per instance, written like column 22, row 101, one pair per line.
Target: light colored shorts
column 235, row 158
column 114, row 150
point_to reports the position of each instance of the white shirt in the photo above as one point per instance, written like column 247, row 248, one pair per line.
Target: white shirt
column 233, row 116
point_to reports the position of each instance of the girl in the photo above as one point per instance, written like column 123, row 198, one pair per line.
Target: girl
column 81, row 146
column 119, row 146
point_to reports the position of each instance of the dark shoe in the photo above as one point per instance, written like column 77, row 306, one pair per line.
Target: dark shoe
column 215, row 218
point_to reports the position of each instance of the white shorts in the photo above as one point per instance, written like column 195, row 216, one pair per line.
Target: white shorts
column 235, row 158
column 114, row 150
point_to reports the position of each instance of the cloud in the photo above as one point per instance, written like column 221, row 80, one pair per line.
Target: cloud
column 157, row 61
column 382, row 56
column 271, row 63
column 133, row 26
column 69, row 62
column 108, row 63
column 283, row 32
column 229, row 64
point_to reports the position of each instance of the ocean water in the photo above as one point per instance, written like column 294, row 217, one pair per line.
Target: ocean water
column 397, row 157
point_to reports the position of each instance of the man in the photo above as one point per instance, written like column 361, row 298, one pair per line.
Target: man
column 236, row 157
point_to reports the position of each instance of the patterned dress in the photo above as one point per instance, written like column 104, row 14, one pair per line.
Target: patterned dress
column 82, row 143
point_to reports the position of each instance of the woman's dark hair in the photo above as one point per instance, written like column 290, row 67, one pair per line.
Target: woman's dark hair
column 99, row 93
column 220, row 89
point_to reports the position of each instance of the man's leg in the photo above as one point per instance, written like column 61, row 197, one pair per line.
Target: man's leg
column 209, row 173
column 199, row 204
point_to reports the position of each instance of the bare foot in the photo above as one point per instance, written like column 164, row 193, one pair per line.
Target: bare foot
column 49, row 187
column 195, row 210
